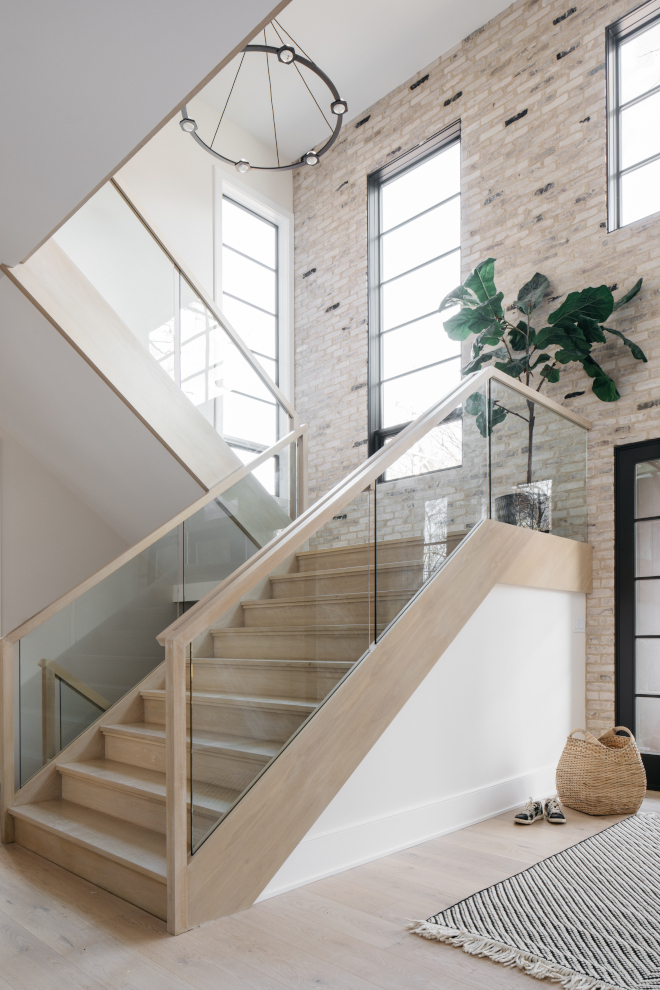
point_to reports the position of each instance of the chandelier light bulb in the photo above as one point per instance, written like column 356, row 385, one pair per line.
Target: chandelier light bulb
column 339, row 107
column 242, row 165
column 188, row 124
column 311, row 158
column 286, row 54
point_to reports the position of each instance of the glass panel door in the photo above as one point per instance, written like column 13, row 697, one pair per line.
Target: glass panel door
column 638, row 598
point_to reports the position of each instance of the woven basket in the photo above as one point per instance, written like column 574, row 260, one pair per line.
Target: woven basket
column 601, row 776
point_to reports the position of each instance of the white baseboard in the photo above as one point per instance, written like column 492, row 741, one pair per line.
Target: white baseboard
column 327, row 853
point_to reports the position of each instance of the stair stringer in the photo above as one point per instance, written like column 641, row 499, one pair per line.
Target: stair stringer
column 246, row 850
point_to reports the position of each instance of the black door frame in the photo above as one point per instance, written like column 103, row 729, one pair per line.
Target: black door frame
column 625, row 459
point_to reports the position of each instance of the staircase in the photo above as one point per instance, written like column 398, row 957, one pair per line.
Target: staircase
column 309, row 649
column 267, row 676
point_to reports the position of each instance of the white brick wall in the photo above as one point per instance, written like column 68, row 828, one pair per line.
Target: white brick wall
column 534, row 196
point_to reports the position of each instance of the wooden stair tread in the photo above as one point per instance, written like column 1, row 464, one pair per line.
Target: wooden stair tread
column 208, row 741
column 302, row 576
column 131, row 845
column 324, row 630
column 361, row 596
column 293, row 665
column 297, row 705
column 350, row 547
column 149, row 783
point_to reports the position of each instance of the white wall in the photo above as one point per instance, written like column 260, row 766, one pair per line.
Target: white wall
column 171, row 181
column 482, row 732
column 49, row 539
column 86, row 83
column 64, row 414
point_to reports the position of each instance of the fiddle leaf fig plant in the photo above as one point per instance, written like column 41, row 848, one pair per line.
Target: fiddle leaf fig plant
column 532, row 356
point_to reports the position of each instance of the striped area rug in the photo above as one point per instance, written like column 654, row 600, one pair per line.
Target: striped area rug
column 587, row 918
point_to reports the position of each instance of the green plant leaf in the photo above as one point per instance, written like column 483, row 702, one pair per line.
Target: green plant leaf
column 540, row 358
column 531, row 295
column 458, row 296
column 518, row 337
column 590, row 329
column 478, row 361
column 460, row 325
column 512, row 368
column 550, row 374
column 636, row 351
column 629, row 295
column 603, row 386
column 484, row 317
column 481, row 280
column 475, row 405
column 596, row 303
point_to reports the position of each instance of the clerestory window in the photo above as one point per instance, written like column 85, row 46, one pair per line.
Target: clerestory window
column 634, row 116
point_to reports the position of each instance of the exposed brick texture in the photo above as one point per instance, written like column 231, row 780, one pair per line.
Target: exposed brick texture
column 534, row 196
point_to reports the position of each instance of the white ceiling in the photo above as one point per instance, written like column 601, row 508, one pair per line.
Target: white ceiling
column 367, row 47
column 83, row 84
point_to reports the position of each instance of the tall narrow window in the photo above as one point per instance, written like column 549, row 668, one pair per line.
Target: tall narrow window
column 415, row 259
column 634, row 115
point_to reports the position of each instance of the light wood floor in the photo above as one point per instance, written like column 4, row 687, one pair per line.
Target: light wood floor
column 58, row 932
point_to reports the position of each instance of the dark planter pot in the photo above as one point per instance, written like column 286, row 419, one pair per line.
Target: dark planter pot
column 530, row 509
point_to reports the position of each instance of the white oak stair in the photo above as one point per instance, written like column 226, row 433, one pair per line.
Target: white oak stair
column 108, row 822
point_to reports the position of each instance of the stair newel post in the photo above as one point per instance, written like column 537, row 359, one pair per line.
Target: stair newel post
column 6, row 740
column 176, row 787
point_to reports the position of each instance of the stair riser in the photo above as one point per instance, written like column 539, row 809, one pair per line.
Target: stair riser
column 291, row 646
column 211, row 768
column 346, row 584
column 129, row 806
column 132, row 886
column 323, row 613
column 309, row 684
column 251, row 722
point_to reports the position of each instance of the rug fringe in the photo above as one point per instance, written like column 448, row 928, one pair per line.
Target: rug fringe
column 478, row 945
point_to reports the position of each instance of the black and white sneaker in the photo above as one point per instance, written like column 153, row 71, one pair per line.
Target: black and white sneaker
column 553, row 812
column 533, row 813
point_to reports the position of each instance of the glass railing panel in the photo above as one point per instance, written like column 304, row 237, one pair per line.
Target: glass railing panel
column 240, row 521
column 269, row 662
column 106, row 638
column 105, row 641
column 538, row 466
column 117, row 254
column 427, row 502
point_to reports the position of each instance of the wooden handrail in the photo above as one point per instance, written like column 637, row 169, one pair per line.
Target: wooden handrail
column 222, row 486
column 201, row 615
column 74, row 682
column 210, row 304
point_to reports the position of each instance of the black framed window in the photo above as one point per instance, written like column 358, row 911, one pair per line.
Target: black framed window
column 414, row 260
column 634, row 115
column 637, row 557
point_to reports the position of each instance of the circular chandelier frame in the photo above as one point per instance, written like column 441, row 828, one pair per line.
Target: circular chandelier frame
column 288, row 56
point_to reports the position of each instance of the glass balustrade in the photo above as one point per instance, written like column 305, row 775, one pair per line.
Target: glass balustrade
column 266, row 666
column 538, row 466
column 83, row 659
column 126, row 265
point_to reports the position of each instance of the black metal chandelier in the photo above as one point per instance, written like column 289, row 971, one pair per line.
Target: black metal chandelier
column 287, row 55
